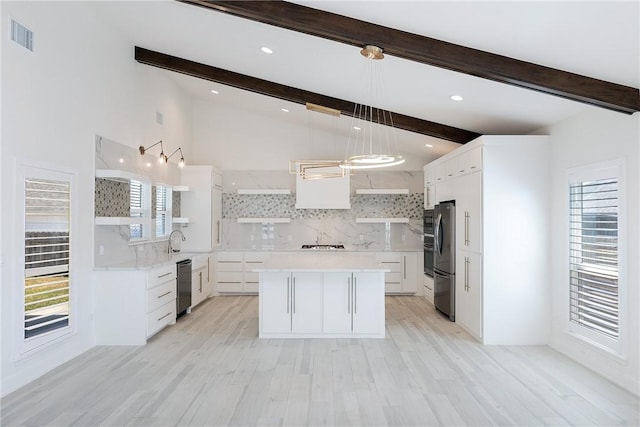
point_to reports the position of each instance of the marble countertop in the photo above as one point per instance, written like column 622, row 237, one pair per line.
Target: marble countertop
column 148, row 263
column 348, row 249
column 321, row 261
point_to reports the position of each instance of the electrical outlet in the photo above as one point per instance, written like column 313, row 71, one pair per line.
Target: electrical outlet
column 362, row 237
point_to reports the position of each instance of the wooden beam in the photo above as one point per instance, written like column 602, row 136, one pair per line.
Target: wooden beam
column 434, row 52
column 288, row 93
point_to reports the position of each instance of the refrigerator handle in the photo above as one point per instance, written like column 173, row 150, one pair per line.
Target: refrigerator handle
column 438, row 234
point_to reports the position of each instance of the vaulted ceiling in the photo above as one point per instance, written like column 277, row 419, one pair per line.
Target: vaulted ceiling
column 519, row 65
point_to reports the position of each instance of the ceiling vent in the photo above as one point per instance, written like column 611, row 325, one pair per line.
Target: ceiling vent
column 21, row 35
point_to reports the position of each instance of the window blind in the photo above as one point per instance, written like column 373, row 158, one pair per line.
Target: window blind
column 594, row 292
column 46, row 257
column 136, row 190
column 161, row 211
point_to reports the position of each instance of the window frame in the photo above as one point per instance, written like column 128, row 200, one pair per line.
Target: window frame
column 608, row 169
column 24, row 347
column 144, row 211
column 168, row 212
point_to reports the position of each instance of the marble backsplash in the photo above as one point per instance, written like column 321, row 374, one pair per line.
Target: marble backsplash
column 322, row 226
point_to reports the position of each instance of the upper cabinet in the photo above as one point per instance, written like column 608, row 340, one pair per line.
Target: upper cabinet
column 329, row 193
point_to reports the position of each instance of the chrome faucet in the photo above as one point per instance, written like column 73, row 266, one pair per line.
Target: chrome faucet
column 169, row 248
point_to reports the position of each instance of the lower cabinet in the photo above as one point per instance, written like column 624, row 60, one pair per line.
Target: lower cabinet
column 469, row 292
column 200, row 288
column 132, row 305
column 321, row 304
column 352, row 303
column 428, row 288
column 234, row 271
column 403, row 277
column 291, row 302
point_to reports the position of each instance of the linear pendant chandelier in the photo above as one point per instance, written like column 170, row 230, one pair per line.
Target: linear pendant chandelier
column 372, row 141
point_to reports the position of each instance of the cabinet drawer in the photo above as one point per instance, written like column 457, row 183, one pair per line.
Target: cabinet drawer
column 235, row 287
column 394, row 266
column 392, row 277
column 251, row 277
column 228, row 265
column 229, row 277
column 198, row 262
column 160, row 295
column 161, row 317
column 161, row 275
column 229, row 257
column 256, row 257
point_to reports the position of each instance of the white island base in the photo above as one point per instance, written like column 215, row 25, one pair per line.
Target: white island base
column 322, row 296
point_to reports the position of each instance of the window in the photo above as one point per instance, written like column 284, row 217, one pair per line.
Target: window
column 46, row 248
column 594, row 254
column 138, row 230
column 163, row 211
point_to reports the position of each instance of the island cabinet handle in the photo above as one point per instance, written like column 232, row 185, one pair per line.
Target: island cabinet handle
column 294, row 295
column 355, row 295
column 164, row 275
column 288, row 299
column 349, row 295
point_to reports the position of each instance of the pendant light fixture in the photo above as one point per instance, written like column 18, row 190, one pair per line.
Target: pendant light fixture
column 318, row 169
column 372, row 142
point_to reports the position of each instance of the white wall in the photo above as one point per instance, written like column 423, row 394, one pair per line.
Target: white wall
column 588, row 138
column 81, row 80
column 232, row 138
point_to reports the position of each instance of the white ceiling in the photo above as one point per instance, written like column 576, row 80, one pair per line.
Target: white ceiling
column 595, row 39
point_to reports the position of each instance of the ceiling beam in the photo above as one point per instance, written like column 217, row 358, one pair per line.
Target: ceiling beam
column 288, row 93
column 434, row 52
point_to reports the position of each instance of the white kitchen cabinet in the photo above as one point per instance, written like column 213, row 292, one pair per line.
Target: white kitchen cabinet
column 291, row 302
column 352, row 303
column 469, row 292
column 200, row 289
column 502, row 227
column 403, row 277
column 428, row 288
column 202, row 204
column 234, row 271
column 469, row 212
column 229, row 272
column 132, row 305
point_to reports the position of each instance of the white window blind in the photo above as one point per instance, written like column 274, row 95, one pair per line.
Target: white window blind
column 136, row 206
column 163, row 211
column 594, row 288
column 46, row 256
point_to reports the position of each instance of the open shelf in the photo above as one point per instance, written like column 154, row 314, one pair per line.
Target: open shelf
column 264, row 220
column 120, row 220
column 382, row 191
column 265, row 191
column 382, row 220
column 120, row 175
column 180, row 220
column 181, row 188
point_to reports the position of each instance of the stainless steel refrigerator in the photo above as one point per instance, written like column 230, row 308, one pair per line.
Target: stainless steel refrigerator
column 444, row 258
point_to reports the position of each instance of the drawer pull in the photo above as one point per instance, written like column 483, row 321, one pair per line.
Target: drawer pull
column 164, row 295
column 165, row 275
column 168, row 314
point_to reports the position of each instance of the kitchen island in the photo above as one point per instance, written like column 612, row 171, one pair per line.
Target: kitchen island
column 321, row 295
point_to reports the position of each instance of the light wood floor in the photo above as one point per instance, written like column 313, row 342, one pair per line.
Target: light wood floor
column 210, row 369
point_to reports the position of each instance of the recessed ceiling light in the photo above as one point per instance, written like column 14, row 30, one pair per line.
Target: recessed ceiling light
column 266, row 50
column 456, row 98
column 356, row 128
column 428, row 145
column 215, row 92
column 284, row 110
column 121, row 160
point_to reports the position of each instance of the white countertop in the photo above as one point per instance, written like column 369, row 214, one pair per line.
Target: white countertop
column 321, row 261
column 149, row 262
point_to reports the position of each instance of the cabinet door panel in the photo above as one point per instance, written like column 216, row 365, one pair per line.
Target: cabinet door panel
column 469, row 292
column 306, row 302
column 336, row 303
column 275, row 307
column 410, row 272
column 368, row 303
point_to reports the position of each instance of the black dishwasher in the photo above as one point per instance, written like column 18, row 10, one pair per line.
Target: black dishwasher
column 183, row 302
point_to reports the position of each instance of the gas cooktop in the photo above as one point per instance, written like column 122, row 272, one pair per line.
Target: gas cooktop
column 323, row 247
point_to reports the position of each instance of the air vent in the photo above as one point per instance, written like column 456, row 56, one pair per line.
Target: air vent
column 21, row 35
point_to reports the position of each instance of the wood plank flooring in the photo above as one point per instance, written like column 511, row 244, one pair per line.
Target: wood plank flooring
column 211, row 370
